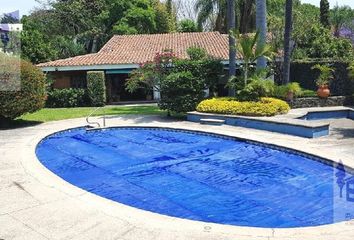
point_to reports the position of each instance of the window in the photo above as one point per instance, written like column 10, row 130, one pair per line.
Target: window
column 78, row 82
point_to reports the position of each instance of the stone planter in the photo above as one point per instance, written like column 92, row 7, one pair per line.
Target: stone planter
column 321, row 102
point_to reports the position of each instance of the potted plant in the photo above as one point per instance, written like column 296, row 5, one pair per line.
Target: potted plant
column 292, row 90
column 323, row 80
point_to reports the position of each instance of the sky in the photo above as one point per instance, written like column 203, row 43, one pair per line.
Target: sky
column 25, row 6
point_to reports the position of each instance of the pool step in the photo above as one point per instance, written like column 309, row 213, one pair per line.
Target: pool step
column 211, row 121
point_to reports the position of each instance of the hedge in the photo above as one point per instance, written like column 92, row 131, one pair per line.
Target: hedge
column 96, row 88
column 264, row 107
column 31, row 96
column 68, row 97
column 181, row 92
column 301, row 72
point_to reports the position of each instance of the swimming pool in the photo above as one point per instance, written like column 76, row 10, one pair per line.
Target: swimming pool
column 196, row 176
column 320, row 115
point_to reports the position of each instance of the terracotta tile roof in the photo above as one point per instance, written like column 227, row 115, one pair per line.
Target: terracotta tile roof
column 136, row 49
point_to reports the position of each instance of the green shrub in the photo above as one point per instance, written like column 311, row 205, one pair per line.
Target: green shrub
column 181, row 92
column 30, row 97
column 283, row 90
column 264, row 107
column 96, row 88
column 256, row 89
column 208, row 70
column 187, row 25
column 196, row 53
column 69, row 97
column 308, row 93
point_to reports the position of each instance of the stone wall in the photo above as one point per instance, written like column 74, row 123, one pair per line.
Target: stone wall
column 321, row 102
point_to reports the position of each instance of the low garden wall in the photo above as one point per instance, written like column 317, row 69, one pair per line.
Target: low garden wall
column 320, row 102
column 301, row 72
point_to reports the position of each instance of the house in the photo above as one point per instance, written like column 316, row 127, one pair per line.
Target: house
column 124, row 53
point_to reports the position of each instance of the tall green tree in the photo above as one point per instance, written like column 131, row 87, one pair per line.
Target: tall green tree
column 73, row 27
column 35, row 46
column 319, row 42
column 341, row 16
column 324, row 16
column 214, row 10
column 287, row 39
column 164, row 24
column 171, row 11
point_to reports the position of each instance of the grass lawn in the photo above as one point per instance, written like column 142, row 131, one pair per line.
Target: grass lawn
column 53, row 114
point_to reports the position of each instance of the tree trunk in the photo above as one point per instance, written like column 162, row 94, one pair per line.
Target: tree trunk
column 94, row 44
column 232, row 41
column 261, row 25
column 287, row 38
column 245, row 69
column 246, row 16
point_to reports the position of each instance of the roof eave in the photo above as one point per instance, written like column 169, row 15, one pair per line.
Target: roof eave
column 88, row 67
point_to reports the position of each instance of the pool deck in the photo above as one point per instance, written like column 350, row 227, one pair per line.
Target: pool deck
column 290, row 123
column 35, row 204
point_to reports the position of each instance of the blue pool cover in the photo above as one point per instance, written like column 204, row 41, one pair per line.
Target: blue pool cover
column 199, row 176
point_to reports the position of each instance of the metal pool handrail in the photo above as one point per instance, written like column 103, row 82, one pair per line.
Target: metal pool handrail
column 96, row 123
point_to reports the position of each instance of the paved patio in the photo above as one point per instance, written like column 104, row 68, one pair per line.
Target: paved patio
column 36, row 204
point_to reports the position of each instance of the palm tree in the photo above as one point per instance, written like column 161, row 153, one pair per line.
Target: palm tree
column 207, row 9
column 232, row 42
column 215, row 11
column 249, row 49
column 287, row 38
column 261, row 25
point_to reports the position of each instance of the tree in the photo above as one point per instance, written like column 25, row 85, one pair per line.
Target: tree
column 29, row 96
column 245, row 15
column 319, row 42
column 261, row 23
column 164, row 24
column 341, row 16
column 89, row 25
column 232, row 42
column 324, row 16
column 185, row 9
column 171, row 11
column 137, row 20
column 181, row 82
column 36, row 46
column 214, row 10
column 249, row 49
column 187, row 25
column 287, row 38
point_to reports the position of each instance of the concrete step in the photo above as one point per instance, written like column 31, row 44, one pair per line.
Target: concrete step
column 212, row 121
